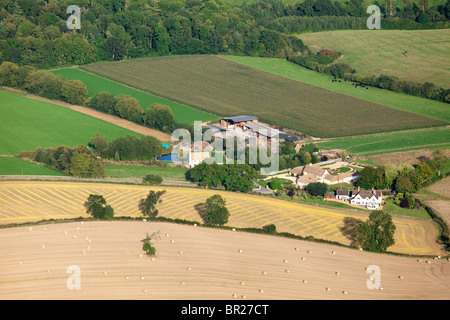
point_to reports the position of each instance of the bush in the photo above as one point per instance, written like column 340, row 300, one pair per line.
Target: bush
column 270, row 228
column 148, row 247
column 151, row 179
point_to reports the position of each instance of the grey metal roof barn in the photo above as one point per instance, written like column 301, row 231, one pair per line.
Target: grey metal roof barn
column 238, row 119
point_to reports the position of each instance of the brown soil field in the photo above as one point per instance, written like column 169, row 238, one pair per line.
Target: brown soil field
column 442, row 207
column 411, row 157
column 219, row 86
column 103, row 116
column 197, row 263
column 22, row 201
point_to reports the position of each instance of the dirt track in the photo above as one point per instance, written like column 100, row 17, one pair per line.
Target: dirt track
column 33, row 265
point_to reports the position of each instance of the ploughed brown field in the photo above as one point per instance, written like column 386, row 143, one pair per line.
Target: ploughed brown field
column 226, row 88
column 200, row 263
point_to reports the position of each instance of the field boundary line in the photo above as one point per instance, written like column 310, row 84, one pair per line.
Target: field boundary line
column 144, row 91
column 403, row 148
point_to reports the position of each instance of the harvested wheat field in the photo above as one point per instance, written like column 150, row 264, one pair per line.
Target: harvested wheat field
column 442, row 187
column 34, row 201
column 199, row 263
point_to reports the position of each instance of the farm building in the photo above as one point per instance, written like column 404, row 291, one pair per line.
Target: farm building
column 260, row 130
column 193, row 154
column 371, row 199
column 343, row 194
column 232, row 122
column 329, row 195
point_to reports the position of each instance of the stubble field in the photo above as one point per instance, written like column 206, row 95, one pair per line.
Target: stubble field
column 195, row 263
column 22, row 202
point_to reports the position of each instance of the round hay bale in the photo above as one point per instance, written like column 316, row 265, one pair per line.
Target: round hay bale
column 337, row 273
column 303, row 258
column 400, row 277
column 344, row 292
column 287, row 271
column 297, row 249
column 153, row 259
column 328, row 289
column 261, row 291
column 105, row 273
column 233, row 229
column 172, row 241
column 45, row 229
column 234, row 296
column 239, row 250
column 142, row 278
column 305, row 281
column 66, row 233
column 242, row 283
column 127, row 278
column 30, row 229
column 264, row 272
column 182, row 283
column 195, row 224
column 74, row 236
column 140, row 255
column 188, row 268
column 180, row 252
column 285, row 261
column 166, row 234
column 144, row 220
column 244, row 296
column 145, row 291
column 83, row 252
column 43, row 246
column 333, row 252
column 82, row 223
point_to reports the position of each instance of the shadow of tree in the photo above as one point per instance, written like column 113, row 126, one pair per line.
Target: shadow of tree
column 142, row 206
column 201, row 209
column 348, row 229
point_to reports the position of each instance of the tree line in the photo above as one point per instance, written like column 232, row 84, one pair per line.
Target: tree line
column 271, row 13
column 85, row 161
column 35, row 33
column 343, row 71
column 55, row 87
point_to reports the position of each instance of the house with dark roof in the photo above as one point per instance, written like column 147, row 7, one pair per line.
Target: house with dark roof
column 371, row 199
column 343, row 194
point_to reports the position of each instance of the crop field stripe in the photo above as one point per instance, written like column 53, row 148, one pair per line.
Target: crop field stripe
column 287, row 216
column 401, row 101
column 96, row 83
column 318, row 114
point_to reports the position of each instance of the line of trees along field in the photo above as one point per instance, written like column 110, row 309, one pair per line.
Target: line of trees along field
column 35, row 32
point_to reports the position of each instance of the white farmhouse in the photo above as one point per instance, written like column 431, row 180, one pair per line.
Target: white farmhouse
column 371, row 199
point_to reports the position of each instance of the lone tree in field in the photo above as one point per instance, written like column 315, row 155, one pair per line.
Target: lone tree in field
column 148, row 247
column 377, row 233
column 149, row 204
column 96, row 206
column 216, row 213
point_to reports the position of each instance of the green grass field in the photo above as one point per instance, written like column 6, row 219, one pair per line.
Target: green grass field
column 227, row 88
column 18, row 166
column 132, row 171
column 26, row 124
column 426, row 107
column 96, row 84
column 389, row 140
column 414, row 55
